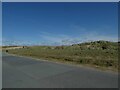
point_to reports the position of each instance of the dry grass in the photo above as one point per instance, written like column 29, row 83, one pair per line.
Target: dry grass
column 97, row 54
column 0, row 47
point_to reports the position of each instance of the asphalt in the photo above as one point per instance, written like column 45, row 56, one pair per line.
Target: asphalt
column 22, row 72
column 0, row 69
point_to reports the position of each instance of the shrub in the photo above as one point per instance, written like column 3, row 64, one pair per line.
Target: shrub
column 6, row 50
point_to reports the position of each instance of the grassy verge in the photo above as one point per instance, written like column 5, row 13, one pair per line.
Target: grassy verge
column 96, row 54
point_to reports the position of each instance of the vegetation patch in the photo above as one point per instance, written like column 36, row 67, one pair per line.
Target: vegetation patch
column 98, row 53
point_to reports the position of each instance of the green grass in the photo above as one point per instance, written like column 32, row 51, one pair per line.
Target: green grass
column 99, row 53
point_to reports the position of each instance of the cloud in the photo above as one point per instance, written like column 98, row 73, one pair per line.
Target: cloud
column 53, row 37
column 0, row 38
column 16, row 42
column 76, row 27
column 63, row 39
column 94, row 36
column 47, row 38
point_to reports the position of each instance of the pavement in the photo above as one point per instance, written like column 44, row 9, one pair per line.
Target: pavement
column 0, row 69
column 22, row 72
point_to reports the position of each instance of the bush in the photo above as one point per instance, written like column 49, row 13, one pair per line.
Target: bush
column 6, row 50
column 104, row 46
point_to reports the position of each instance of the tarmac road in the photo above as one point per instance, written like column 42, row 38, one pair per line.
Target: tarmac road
column 0, row 69
column 22, row 72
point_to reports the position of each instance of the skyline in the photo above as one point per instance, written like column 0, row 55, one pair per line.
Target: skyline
column 59, row 23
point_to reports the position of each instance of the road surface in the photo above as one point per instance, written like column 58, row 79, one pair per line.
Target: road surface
column 22, row 72
column 0, row 69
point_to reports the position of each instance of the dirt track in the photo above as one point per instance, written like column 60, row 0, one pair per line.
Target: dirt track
column 13, row 47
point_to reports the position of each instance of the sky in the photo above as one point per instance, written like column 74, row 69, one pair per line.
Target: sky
column 0, row 24
column 62, row 23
